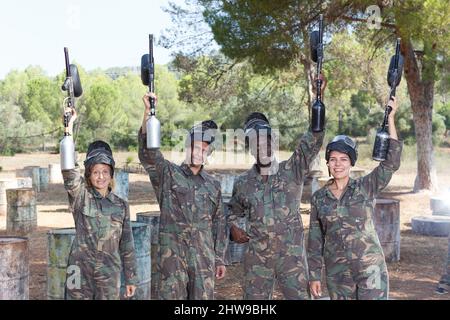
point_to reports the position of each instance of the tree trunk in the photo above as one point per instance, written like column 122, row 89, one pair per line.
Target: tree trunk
column 421, row 91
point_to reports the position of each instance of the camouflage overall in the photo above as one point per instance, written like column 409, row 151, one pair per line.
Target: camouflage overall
column 276, row 247
column 192, row 238
column 342, row 234
column 103, row 245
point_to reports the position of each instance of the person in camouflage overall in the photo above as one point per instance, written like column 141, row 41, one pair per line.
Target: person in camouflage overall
column 192, row 238
column 342, row 235
column 444, row 282
column 269, row 195
column 103, row 245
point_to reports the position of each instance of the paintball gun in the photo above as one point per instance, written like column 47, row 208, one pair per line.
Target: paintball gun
column 394, row 76
column 72, row 85
column 153, row 125
column 318, row 108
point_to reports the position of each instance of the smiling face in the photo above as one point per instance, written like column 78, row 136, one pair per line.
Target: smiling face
column 198, row 154
column 100, row 176
column 339, row 165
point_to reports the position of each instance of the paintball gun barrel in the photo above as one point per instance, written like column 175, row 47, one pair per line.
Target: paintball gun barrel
column 74, row 90
column 318, row 108
column 394, row 76
column 153, row 125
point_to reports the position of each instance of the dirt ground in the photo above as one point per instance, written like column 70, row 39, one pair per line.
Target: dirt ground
column 414, row 277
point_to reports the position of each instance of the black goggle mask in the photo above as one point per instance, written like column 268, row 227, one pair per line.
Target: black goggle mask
column 99, row 156
column 346, row 140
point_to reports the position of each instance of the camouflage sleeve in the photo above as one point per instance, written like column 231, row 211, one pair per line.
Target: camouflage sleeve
column 153, row 162
column 127, row 252
column 315, row 244
column 307, row 149
column 379, row 178
column 74, row 185
column 219, row 232
column 236, row 206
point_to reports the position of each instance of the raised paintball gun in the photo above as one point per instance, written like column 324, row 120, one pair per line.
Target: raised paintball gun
column 394, row 76
column 153, row 125
column 318, row 108
column 74, row 90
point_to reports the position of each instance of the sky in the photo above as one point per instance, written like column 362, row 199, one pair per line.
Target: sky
column 98, row 33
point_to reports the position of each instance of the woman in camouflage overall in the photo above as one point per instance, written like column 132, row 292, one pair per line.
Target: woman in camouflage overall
column 341, row 232
column 103, row 245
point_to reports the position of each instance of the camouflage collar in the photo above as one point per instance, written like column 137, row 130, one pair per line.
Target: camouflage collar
column 97, row 194
column 351, row 185
column 187, row 170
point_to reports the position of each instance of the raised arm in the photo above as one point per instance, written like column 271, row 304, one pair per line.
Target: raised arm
column 307, row 148
column 379, row 178
column 151, row 159
column 304, row 154
column 73, row 182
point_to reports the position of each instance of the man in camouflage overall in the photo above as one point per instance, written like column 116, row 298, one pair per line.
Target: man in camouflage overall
column 103, row 245
column 192, row 234
column 341, row 232
column 269, row 196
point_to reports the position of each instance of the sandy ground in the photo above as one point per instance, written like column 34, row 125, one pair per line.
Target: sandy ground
column 414, row 277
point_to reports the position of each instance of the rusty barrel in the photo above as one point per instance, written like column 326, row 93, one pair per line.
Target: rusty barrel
column 59, row 244
column 14, row 268
column 122, row 183
column 21, row 211
column 142, row 247
column 152, row 218
column 4, row 185
column 387, row 224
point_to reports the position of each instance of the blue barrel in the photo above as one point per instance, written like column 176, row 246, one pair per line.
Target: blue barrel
column 142, row 246
column 121, row 180
column 58, row 251
column 43, row 178
column 152, row 218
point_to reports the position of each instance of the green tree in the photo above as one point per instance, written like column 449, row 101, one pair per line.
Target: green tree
column 103, row 115
column 273, row 34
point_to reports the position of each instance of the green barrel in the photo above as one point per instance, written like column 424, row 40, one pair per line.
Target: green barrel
column 43, row 179
column 152, row 218
column 14, row 268
column 59, row 246
column 142, row 247
column 33, row 172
